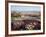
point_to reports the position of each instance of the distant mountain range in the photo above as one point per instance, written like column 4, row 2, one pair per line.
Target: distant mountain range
column 26, row 12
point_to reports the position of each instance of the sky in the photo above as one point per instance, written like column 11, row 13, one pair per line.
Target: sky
column 24, row 8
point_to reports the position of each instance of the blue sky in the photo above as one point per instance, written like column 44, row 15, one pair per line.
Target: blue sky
column 24, row 8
